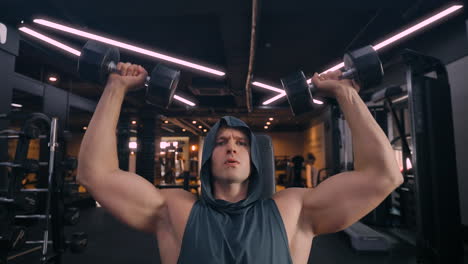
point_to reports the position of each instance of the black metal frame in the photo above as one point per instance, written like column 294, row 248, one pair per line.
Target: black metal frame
column 333, row 141
column 434, row 164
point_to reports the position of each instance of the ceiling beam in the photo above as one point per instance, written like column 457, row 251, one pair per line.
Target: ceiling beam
column 208, row 113
column 178, row 123
column 204, row 123
column 189, row 124
column 253, row 40
column 167, row 129
column 235, row 33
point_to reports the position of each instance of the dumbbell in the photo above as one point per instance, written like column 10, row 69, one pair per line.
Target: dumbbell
column 77, row 243
column 23, row 202
column 70, row 189
column 71, row 216
column 362, row 65
column 31, row 132
column 97, row 61
column 26, row 202
column 29, row 165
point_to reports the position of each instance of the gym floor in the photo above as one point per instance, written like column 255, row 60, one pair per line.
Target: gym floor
column 112, row 242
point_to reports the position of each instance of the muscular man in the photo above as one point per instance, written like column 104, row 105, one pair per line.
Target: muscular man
column 231, row 223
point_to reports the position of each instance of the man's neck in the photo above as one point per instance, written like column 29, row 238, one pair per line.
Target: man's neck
column 231, row 192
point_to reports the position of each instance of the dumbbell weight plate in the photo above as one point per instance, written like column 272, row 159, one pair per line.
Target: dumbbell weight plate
column 70, row 163
column 32, row 132
column 94, row 61
column 78, row 242
column 366, row 61
column 162, row 86
column 298, row 93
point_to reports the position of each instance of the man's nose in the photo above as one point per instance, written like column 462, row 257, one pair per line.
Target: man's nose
column 231, row 147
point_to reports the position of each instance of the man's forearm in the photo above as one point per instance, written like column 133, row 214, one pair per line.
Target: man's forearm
column 98, row 151
column 371, row 147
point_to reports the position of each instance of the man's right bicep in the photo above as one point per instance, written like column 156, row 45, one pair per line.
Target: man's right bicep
column 130, row 198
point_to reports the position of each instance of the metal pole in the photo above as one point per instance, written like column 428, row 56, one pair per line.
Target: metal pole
column 52, row 145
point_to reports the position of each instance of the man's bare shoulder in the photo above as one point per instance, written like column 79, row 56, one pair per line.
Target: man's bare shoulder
column 178, row 196
column 289, row 195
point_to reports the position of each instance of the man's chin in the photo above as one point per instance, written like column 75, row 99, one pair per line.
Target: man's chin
column 231, row 179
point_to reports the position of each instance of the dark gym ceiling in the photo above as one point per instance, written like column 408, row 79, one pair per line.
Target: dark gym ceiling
column 289, row 35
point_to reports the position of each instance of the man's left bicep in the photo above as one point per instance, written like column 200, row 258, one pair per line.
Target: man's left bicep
column 343, row 199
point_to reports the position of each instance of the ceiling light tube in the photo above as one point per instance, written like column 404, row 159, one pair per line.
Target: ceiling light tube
column 127, row 46
column 405, row 33
column 417, row 27
column 268, row 87
column 50, row 41
column 183, row 100
column 269, row 101
column 281, row 95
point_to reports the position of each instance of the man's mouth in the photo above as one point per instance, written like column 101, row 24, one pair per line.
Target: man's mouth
column 231, row 162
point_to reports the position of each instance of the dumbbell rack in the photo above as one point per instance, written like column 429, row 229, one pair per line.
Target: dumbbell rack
column 30, row 130
column 52, row 217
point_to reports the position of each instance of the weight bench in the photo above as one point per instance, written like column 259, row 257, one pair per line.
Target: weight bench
column 366, row 239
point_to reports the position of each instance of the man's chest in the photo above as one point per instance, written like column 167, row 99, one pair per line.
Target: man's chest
column 256, row 236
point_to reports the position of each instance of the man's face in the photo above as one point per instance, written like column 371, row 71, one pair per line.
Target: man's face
column 230, row 161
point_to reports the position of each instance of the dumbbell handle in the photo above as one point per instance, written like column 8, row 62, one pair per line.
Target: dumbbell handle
column 37, row 216
column 18, row 136
column 34, row 190
column 15, row 165
column 348, row 74
column 112, row 68
column 38, row 242
column 6, row 200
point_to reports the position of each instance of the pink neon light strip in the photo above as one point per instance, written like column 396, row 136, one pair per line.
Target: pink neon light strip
column 183, row 100
column 127, row 46
column 50, row 41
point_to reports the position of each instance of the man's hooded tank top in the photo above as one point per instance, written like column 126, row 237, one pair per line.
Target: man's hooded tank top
column 249, row 231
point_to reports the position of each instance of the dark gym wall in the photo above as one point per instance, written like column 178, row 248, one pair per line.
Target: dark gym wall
column 458, row 71
column 8, row 52
column 449, row 43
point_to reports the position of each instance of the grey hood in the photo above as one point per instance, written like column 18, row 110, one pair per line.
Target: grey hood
column 255, row 181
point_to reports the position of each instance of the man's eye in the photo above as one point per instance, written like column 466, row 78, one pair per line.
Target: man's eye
column 242, row 143
column 220, row 143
